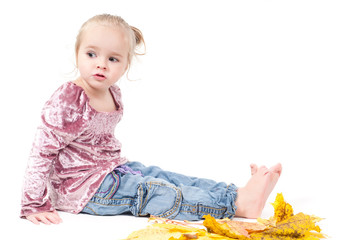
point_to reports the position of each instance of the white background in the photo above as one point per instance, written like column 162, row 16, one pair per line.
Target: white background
column 223, row 84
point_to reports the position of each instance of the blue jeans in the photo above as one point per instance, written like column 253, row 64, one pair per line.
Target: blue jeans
column 163, row 194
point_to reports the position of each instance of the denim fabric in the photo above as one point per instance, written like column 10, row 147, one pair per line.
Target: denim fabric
column 163, row 194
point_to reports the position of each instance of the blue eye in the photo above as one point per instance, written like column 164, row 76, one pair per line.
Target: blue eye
column 91, row 54
column 113, row 59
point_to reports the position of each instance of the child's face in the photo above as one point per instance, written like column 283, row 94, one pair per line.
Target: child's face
column 103, row 56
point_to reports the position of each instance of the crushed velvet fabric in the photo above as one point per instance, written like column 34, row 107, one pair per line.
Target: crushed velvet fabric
column 73, row 151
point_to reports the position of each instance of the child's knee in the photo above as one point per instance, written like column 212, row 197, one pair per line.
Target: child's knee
column 157, row 198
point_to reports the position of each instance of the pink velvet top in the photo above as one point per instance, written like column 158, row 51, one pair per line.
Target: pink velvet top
column 74, row 149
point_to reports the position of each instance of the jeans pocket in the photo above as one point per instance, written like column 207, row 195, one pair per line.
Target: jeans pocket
column 109, row 186
column 157, row 198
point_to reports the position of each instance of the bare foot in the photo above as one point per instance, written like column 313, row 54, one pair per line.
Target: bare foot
column 252, row 197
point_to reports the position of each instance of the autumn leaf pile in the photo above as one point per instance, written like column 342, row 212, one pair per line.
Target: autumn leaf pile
column 283, row 225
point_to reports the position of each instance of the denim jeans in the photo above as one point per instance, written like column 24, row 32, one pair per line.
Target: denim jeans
column 163, row 194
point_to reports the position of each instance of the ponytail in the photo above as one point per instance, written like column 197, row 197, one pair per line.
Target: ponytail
column 139, row 40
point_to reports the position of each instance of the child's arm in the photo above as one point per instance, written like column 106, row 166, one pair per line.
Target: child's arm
column 35, row 191
column 64, row 117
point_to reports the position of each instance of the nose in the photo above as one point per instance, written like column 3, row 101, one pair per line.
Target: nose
column 101, row 64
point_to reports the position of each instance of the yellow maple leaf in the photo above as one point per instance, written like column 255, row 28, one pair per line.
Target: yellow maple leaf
column 250, row 227
column 282, row 210
column 272, row 237
column 224, row 229
column 173, row 231
column 152, row 233
column 284, row 225
column 208, row 236
column 295, row 226
column 267, row 222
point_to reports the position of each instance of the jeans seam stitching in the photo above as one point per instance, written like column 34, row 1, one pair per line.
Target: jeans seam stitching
column 145, row 200
column 176, row 204
column 141, row 193
column 116, row 199
column 103, row 204
column 217, row 211
column 95, row 213
column 115, row 183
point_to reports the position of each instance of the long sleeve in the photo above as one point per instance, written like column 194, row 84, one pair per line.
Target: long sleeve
column 64, row 118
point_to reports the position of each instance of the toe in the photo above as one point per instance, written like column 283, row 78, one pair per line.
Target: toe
column 276, row 169
column 254, row 168
column 263, row 170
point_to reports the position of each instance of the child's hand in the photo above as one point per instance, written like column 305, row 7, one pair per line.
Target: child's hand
column 45, row 217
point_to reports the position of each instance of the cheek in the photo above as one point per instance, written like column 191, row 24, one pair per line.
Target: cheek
column 82, row 65
column 122, row 70
column 83, row 69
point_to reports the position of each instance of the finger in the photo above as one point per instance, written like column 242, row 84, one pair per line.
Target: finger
column 33, row 220
column 58, row 217
column 56, row 213
column 44, row 220
column 54, row 218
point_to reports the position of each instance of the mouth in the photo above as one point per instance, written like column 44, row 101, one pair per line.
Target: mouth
column 99, row 76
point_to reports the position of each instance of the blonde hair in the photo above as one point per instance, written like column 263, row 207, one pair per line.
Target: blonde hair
column 135, row 36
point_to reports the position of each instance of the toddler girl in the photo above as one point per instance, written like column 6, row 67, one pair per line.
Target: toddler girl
column 76, row 165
